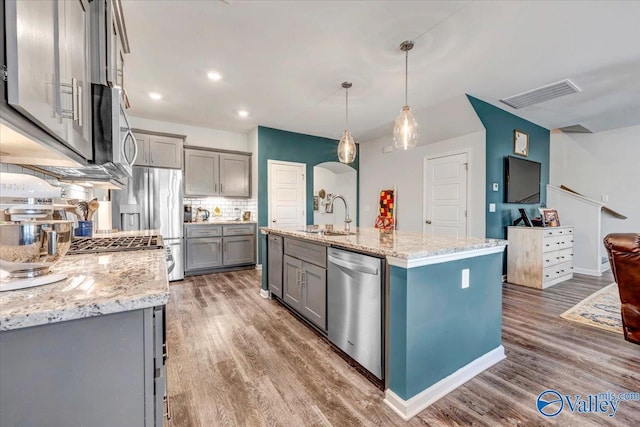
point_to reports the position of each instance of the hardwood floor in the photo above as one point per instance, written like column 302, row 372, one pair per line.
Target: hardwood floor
column 237, row 359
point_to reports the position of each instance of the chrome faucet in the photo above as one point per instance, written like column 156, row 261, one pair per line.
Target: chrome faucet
column 347, row 220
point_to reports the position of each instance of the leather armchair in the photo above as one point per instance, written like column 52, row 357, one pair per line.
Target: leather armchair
column 624, row 257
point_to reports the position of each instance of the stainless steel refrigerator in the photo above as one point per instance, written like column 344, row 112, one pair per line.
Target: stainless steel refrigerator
column 153, row 200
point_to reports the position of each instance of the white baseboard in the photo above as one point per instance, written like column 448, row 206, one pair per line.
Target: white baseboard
column 258, row 266
column 409, row 408
column 264, row 293
column 587, row 271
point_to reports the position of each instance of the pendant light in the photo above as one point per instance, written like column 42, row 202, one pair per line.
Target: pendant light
column 347, row 146
column 405, row 130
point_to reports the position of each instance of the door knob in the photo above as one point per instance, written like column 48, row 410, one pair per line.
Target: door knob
column 428, row 221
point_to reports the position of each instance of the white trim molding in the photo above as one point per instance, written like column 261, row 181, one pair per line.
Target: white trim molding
column 407, row 409
column 265, row 293
column 439, row 259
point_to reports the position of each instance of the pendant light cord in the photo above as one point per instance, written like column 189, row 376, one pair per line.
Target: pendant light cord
column 347, row 110
column 406, row 77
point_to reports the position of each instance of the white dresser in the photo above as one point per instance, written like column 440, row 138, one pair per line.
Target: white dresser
column 539, row 257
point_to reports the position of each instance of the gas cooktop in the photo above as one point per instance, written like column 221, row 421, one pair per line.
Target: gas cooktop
column 114, row 244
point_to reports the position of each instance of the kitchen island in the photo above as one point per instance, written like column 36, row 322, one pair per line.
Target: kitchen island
column 442, row 307
column 88, row 350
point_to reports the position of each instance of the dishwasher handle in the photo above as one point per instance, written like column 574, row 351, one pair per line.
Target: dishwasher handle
column 353, row 266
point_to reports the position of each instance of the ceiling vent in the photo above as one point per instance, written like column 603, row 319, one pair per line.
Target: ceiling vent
column 575, row 129
column 541, row 94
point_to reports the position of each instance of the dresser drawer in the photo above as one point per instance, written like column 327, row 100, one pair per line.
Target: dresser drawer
column 238, row 230
column 549, row 274
column 204, row 230
column 310, row 252
column 565, row 255
column 554, row 231
column 564, row 269
column 550, row 258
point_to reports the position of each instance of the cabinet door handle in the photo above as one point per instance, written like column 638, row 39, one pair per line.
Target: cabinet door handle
column 221, row 187
column 303, row 277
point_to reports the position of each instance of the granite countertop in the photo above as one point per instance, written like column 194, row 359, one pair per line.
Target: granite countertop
column 396, row 244
column 219, row 221
column 97, row 284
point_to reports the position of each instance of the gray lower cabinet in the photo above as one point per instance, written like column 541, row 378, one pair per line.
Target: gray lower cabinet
column 274, row 264
column 239, row 250
column 211, row 246
column 203, row 253
column 304, row 286
column 105, row 370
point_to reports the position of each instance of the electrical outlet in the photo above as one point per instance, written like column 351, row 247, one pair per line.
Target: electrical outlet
column 465, row 278
column 494, row 187
column 387, row 149
column 492, row 207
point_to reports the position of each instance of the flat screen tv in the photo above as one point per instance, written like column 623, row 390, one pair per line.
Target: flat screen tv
column 523, row 180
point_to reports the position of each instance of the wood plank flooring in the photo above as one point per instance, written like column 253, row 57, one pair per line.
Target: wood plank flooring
column 236, row 359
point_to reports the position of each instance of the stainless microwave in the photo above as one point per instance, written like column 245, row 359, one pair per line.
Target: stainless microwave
column 114, row 145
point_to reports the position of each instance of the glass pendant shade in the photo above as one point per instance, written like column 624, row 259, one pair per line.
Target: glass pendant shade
column 405, row 130
column 346, row 148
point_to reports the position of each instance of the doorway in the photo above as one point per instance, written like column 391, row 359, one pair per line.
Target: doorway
column 287, row 196
column 445, row 194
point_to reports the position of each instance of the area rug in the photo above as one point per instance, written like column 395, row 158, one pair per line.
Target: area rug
column 600, row 310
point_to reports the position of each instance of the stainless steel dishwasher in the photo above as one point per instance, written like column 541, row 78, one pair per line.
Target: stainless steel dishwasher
column 354, row 306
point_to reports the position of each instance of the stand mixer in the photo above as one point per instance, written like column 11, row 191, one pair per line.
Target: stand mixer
column 30, row 240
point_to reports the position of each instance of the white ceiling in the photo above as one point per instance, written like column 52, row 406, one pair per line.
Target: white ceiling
column 284, row 61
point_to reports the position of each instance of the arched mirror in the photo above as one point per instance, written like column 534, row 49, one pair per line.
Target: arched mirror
column 329, row 179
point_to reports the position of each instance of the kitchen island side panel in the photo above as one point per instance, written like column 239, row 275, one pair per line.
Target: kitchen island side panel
column 397, row 378
column 447, row 327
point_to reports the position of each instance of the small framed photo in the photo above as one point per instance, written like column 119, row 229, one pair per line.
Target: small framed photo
column 316, row 203
column 520, row 143
column 551, row 218
column 246, row 216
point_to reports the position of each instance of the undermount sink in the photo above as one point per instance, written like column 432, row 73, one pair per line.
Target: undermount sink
column 323, row 231
column 338, row 233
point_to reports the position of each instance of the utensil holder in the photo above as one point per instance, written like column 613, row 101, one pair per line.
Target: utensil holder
column 85, row 229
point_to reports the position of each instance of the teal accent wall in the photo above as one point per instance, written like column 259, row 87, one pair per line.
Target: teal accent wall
column 500, row 125
column 436, row 327
column 276, row 144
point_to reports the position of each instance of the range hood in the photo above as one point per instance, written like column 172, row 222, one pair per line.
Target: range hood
column 103, row 176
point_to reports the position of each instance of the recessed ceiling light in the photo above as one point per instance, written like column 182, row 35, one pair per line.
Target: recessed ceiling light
column 243, row 113
column 155, row 95
column 214, row 75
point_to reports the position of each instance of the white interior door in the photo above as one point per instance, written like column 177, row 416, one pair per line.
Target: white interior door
column 287, row 193
column 446, row 195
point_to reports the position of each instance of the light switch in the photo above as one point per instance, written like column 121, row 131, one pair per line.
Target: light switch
column 492, row 207
column 494, row 187
column 465, row 278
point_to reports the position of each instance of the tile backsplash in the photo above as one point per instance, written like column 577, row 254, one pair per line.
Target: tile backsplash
column 227, row 206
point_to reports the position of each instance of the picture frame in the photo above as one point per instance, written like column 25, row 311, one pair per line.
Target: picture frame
column 316, row 203
column 246, row 216
column 328, row 207
column 551, row 218
column 520, row 143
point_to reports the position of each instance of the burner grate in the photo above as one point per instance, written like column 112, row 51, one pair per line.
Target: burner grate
column 114, row 244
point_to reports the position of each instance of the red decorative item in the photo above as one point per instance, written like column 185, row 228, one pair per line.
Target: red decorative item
column 386, row 217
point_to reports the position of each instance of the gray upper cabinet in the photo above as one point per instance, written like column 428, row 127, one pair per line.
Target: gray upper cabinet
column 235, row 175
column 217, row 173
column 48, row 68
column 159, row 151
column 75, row 79
column 201, row 173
